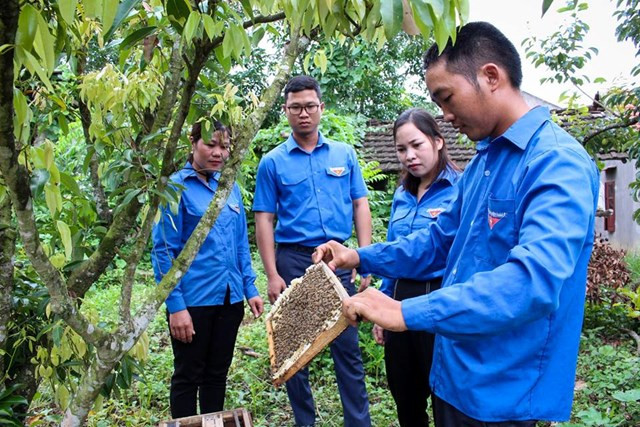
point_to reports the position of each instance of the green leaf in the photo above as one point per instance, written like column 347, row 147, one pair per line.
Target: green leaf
column 135, row 37
column 422, row 17
column 320, row 60
column 209, row 26
column 109, row 11
column 70, row 183
column 463, row 10
column 91, row 8
column 126, row 6
column 178, row 12
column 223, row 60
column 68, row 10
column 546, row 4
column 51, row 198
column 391, row 12
column 191, row 26
column 627, row 396
column 20, row 106
column 256, row 36
column 438, row 7
column 65, row 235
column 227, row 43
column 39, row 177
column 47, row 148
column 246, row 5
column 44, row 44
column 27, row 26
column 34, row 67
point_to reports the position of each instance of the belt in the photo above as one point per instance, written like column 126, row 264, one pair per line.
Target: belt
column 297, row 248
column 405, row 288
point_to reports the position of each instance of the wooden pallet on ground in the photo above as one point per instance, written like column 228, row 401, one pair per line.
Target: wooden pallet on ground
column 235, row 418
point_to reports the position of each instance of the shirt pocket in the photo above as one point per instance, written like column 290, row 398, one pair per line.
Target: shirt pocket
column 501, row 226
column 229, row 215
column 295, row 188
column 339, row 180
column 400, row 223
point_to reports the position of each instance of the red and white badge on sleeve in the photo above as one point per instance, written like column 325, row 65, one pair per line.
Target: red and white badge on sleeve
column 494, row 217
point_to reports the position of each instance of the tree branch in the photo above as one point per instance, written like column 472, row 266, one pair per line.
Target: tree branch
column 636, row 338
column 102, row 207
column 84, row 276
column 608, row 128
column 256, row 20
column 245, row 133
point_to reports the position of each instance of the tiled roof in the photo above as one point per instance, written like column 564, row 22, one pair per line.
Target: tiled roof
column 378, row 143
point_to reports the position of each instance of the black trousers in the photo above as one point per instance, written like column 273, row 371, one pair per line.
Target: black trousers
column 201, row 366
column 446, row 415
column 408, row 357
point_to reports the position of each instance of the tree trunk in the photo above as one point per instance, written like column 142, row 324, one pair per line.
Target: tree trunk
column 7, row 250
column 112, row 350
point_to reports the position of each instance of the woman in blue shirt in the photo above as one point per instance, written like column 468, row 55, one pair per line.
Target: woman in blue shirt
column 427, row 187
column 206, row 307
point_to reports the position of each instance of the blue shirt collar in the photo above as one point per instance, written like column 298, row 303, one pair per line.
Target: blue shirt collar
column 521, row 132
column 448, row 174
column 188, row 171
column 291, row 143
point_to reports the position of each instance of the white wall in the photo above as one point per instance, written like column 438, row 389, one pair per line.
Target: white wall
column 627, row 233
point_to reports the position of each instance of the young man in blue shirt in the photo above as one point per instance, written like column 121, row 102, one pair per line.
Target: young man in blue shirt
column 515, row 245
column 315, row 188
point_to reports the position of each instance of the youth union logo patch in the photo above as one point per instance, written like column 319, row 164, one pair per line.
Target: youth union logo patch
column 434, row 212
column 337, row 171
column 494, row 217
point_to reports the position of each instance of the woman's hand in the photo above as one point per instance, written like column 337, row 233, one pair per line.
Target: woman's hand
column 181, row 326
column 257, row 306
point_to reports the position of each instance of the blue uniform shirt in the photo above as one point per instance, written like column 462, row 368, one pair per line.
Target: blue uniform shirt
column 224, row 258
column 519, row 238
column 409, row 215
column 311, row 193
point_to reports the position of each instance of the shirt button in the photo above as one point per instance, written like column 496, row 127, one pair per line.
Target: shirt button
column 318, row 191
column 471, row 224
column 487, row 173
column 455, row 270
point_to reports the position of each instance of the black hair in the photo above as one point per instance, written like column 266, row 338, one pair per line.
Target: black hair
column 477, row 43
column 300, row 83
column 426, row 124
column 196, row 130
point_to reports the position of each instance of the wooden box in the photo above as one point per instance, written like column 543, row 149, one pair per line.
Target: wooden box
column 236, row 418
column 304, row 320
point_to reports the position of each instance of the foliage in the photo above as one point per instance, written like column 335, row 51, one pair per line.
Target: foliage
column 133, row 73
column 564, row 54
column 9, row 400
column 607, row 385
column 363, row 77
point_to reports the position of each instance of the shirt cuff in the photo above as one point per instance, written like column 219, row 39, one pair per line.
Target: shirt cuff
column 251, row 292
column 367, row 255
column 417, row 314
column 175, row 305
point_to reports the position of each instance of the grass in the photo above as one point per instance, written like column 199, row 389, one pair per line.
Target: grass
column 608, row 378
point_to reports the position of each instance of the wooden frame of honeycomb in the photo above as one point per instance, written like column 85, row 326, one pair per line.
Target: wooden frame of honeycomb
column 304, row 320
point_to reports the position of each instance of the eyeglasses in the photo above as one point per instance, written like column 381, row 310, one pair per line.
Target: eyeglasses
column 297, row 109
